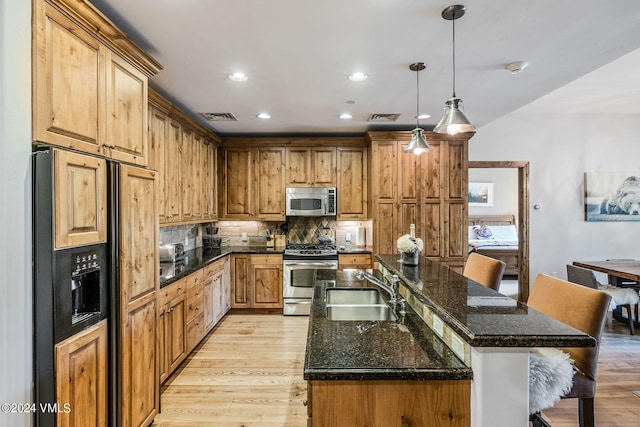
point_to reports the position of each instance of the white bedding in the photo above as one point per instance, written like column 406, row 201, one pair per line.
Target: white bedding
column 501, row 235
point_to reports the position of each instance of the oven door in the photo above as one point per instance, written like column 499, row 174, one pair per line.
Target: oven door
column 300, row 276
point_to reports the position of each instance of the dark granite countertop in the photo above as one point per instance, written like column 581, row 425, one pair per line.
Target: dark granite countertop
column 375, row 350
column 466, row 306
column 198, row 258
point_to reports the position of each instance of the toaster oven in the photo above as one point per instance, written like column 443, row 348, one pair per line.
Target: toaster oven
column 171, row 252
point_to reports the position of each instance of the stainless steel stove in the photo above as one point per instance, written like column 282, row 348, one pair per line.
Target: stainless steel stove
column 311, row 250
column 304, row 266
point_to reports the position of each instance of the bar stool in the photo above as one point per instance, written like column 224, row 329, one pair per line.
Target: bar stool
column 484, row 270
column 584, row 309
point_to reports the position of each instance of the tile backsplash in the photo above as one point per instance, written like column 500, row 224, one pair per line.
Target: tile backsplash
column 300, row 230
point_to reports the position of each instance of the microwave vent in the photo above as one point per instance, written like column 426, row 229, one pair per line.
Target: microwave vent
column 383, row 117
column 219, row 117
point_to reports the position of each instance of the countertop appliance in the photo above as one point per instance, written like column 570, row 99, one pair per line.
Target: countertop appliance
column 171, row 252
column 304, row 265
column 73, row 288
column 311, row 201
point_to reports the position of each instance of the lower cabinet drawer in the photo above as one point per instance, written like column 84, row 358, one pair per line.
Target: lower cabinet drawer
column 195, row 331
column 195, row 301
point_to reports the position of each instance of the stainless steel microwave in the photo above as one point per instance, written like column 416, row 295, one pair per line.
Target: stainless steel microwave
column 304, row 201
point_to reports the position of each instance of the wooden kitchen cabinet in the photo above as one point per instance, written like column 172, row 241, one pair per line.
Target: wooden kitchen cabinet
column 69, row 83
column 172, row 334
column 352, row 185
column 394, row 193
column 239, row 271
column 214, row 293
column 184, row 154
column 266, row 281
column 173, row 172
column 89, row 85
column 357, row 261
column 139, row 281
column 127, row 114
column 256, row 281
column 80, row 205
column 385, row 403
column 81, row 378
column 311, row 166
column 270, row 184
column 236, row 183
column 195, row 309
column 429, row 191
column 158, row 136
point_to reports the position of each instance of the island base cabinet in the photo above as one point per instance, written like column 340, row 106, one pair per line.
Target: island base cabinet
column 389, row 403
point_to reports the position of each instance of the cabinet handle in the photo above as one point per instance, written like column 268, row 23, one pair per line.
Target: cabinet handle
column 179, row 289
column 305, row 402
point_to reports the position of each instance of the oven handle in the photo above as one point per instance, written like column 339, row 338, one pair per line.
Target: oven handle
column 307, row 265
column 297, row 302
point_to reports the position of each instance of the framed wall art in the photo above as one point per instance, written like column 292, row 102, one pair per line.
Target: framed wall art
column 481, row 194
column 612, row 196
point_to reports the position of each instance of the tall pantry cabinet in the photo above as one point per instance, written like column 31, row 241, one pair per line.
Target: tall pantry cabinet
column 429, row 191
column 90, row 95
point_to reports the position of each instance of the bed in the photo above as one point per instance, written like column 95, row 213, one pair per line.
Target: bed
column 495, row 236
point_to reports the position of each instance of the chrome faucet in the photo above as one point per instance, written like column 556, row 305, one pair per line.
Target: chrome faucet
column 392, row 289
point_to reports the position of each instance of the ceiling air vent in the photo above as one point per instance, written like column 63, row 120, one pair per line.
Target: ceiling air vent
column 383, row 117
column 219, row 117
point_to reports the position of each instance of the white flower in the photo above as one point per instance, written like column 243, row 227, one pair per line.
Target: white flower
column 407, row 244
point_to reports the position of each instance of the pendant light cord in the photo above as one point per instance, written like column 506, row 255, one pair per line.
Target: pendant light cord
column 453, row 21
column 417, row 98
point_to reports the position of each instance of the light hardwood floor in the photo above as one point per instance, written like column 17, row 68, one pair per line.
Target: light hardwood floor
column 248, row 372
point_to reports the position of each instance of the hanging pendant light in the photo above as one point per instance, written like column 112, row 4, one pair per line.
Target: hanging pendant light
column 454, row 120
column 418, row 144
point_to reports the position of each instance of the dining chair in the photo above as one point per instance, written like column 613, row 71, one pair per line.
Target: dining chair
column 584, row 309
column 484, row 270
column 624, row 297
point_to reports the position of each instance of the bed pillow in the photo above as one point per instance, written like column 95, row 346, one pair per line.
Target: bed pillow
column 482, row 232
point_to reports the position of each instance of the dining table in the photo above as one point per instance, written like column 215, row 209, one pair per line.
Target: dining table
column 628, row 269
column 624, row 272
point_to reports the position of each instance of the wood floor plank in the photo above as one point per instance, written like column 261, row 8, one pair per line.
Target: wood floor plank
column 249, row 373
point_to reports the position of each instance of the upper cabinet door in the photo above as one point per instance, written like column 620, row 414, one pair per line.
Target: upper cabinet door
column 270, row 166
column 352, row 183
column 127, row 94
column 324, row 166
column 80, row 186
column 238, row 183
column 298, row 165
column 69, row 83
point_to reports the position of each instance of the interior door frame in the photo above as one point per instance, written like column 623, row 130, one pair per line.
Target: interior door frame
column 523, row 217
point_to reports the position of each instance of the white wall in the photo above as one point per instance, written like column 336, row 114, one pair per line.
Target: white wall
column 15, row 209
column 560, row 150
column 505, row 191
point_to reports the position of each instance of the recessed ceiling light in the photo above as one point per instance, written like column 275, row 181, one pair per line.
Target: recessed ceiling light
column 264, row 116
column 358, row 76
column 423, row 116
column 345, row 116
column 238, row 77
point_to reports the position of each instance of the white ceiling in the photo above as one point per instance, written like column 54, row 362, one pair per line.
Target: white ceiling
column 298, row 54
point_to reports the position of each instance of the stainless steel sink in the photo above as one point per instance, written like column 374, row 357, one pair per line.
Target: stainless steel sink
column 357, row 296
column 360, row 312
column 357, row 304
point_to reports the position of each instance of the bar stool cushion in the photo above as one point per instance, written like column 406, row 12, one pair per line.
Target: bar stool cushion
column 550, row 377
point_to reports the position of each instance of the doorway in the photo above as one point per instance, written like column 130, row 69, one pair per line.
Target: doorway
column 522, row 217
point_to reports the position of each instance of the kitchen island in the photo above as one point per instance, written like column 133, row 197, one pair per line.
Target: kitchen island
column 458, row 335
